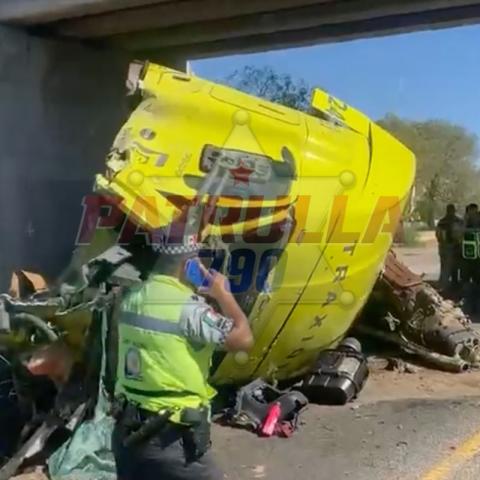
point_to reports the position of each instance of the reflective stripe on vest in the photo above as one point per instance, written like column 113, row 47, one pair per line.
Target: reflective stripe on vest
column 146, row 322
column 471, row 245
column 158, row 367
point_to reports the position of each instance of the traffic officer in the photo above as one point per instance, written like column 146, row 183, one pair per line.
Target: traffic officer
column 449, row 236
column 167, row 336
column 471, row 259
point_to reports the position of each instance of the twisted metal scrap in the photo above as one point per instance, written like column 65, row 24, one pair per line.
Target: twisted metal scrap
column 422, row 322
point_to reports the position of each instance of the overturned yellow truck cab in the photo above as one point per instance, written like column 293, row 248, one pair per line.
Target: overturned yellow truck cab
column 298, row 209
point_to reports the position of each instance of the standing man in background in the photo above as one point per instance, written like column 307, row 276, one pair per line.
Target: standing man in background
column 167, row 336
column 472, row 216
column 449, row 237
column 471, row 259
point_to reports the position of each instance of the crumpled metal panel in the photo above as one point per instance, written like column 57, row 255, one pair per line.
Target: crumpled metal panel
column 398, row 274
column 423, row 316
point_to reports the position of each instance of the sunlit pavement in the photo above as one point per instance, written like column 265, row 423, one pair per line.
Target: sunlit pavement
column 404, row 440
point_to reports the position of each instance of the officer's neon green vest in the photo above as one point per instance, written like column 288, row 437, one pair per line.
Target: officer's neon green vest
column 158, row 368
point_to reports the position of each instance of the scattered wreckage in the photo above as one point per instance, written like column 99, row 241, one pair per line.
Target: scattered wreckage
column 298, row 210
column 408, row 312
column 403, row 309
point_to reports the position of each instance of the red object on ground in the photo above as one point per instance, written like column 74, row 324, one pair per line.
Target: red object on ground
column 268, row 427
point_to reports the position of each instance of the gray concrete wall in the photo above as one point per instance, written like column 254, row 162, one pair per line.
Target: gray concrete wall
column 60, row 106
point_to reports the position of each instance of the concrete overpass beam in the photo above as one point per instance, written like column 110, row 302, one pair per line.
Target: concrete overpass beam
column 28, row 12
column 329, row 16
column 171, row 14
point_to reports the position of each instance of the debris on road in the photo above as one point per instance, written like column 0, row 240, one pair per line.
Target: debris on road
column 338, row 375
column 400, row 366
column 406, row 311
column 414, row 317
column 259, row 403
column 336, row 379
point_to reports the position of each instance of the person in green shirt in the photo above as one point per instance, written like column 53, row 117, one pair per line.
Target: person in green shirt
column 471, row 259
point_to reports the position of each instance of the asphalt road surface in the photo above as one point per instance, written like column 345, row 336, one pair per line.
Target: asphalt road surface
column 422, row 260
column 390, row 440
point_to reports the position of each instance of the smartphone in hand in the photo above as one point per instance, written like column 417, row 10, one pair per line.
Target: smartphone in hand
column 193, row 272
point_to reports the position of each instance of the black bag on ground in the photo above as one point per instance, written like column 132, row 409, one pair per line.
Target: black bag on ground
column 338, row 375
column 253, row 402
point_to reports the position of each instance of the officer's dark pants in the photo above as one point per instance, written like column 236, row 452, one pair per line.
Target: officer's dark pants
column 449, row 267
column 162, row 457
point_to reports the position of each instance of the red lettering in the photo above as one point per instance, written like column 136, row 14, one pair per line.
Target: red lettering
column 99, row 212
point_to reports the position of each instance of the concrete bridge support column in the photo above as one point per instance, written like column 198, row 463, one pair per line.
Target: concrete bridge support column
column 60, row 106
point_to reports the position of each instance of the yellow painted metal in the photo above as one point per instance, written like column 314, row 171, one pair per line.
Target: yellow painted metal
column 350, row 183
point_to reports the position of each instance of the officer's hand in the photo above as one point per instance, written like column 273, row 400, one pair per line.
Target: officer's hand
column 216, row 285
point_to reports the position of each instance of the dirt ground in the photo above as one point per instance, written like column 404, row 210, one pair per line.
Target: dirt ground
column 384, row 385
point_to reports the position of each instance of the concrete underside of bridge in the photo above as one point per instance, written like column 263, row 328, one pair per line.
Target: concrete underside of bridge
column 191, row 28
